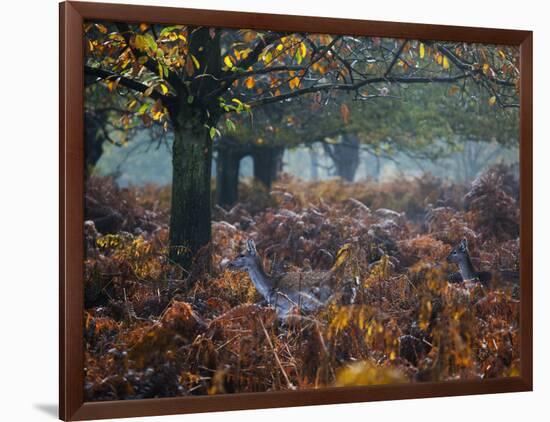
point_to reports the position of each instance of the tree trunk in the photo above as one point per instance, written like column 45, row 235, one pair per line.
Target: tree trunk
column 345, row 156
column 93, row 142
column 190, row 227
column 268, row 163
column 192, row 118
column 227, row 176
column 314, row 163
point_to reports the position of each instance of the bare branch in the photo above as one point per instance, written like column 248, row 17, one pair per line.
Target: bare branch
column 395, row 58
column 355, row 86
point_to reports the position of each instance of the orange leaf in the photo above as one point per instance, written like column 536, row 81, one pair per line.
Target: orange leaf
column 249, row 83
column 344, row 111
column 294, row 82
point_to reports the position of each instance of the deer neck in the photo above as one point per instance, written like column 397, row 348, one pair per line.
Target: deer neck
column 466, row 268
column 261, row 280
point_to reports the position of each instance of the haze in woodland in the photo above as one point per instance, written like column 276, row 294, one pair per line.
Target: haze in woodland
column 282, row 211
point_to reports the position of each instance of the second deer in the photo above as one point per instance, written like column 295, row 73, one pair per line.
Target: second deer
column 466, row 271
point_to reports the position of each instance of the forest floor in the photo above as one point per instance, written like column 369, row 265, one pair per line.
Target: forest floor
column 152, row 330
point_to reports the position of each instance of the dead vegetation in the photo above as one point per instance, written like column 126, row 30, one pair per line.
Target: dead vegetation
column 152, row 330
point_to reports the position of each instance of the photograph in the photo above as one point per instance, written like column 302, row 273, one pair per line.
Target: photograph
column 283, row 211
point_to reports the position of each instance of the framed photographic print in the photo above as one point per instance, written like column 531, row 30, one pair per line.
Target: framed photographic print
column 266, row 210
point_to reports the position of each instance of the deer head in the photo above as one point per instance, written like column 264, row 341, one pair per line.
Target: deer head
column 248, row 260
column 459, row 253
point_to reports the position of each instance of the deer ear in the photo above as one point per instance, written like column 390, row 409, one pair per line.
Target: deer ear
column 251, row 246
column 464, row 244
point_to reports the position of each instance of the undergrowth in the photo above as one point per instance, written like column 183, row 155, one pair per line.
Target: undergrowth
column 152, row 331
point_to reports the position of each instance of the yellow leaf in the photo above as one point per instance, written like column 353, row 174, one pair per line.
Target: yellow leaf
column 267, row 57
column 279, row 47
column 303, row 49
column 341, row 256
column 368, row 373
column 143, row 27
column 164, row 89
column 486, row 67
column 492, row 100
column 422, row 50
column 249, row 83
column 195, row 61
column 445, row 62
column 502, row 55
column 228, row 62
column 140, row 42
column 112, row 84
column 101, row 28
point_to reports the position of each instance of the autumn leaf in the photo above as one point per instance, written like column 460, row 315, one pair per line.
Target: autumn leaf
column 445, row 62
column 492, row 100
column 112, row 84
column 249, row 82
column 344, row 111
column 303, row 49
column 101, row 28
column 422, row 50
column 195, row 62
column 294, row 82
column 341, row 256
column 148, row 91
column 143, row 109
column 267, row 57
column 139, row 42
column 228, row 61
column 453, row 90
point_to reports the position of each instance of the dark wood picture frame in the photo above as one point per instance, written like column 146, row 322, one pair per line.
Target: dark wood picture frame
column 71, row 205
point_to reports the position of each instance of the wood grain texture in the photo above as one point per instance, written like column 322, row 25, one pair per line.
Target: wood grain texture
column 71, row 205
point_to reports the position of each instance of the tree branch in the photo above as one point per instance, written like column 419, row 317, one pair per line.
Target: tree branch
column 353, row 87
column 264, row 71
column 124, row 81
column 470, row 68
column 395, row 58
column 253, row 56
